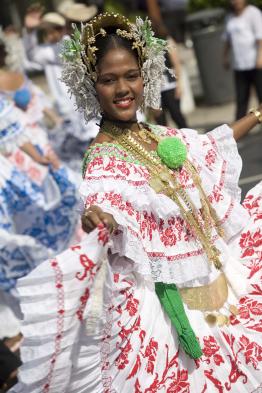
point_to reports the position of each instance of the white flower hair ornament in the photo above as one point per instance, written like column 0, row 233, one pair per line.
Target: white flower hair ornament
column 79, row 60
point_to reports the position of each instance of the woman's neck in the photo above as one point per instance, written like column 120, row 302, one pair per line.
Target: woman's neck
column 132, row 125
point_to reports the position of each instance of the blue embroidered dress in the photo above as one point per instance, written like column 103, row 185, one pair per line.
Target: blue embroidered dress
column 38, row 206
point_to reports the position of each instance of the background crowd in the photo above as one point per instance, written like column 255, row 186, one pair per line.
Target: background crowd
column 43, row 138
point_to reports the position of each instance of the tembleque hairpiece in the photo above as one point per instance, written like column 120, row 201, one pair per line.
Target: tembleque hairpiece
column 79, row 58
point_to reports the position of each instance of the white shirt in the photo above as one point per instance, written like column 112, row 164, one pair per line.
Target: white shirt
column 243, row 31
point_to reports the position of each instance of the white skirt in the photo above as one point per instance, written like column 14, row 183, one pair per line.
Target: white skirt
column 134, row 348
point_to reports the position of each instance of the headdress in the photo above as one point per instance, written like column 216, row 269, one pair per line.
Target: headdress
column 79, row 55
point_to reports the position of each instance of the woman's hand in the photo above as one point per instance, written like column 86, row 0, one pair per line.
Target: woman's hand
column 94, row 216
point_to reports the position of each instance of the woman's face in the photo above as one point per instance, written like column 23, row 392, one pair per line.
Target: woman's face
column 119, row 85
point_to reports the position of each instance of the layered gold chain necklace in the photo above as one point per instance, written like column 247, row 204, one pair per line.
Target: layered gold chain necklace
column 164, row 180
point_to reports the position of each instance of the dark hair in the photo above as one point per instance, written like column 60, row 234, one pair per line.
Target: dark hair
column 113, row 41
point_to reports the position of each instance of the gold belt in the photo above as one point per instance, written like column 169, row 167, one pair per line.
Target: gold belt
column 209, row 297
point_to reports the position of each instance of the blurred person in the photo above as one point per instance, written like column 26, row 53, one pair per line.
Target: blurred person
column 77, row 132
column 172, row 89
column 243, row 37
column 170, row 15
column 16, row 86
column 47, row 54
column 38, row 203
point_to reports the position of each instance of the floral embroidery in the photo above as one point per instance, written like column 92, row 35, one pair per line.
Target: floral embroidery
column 210, row 351
column 210, row 158
column 252, row 351
column 249, row 242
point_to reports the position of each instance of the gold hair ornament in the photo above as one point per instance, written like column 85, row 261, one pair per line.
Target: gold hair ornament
column 79, row 55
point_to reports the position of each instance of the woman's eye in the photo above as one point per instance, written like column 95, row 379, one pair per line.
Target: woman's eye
column 107, row 81
column 133, row 76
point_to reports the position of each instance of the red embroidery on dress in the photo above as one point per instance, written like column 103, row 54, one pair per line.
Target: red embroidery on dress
column 228, row 212
column 105, row 349
column 216, row 194
column 217, row 384
column 89, row 267
column 151, row 353
column 210, row 351
column 212, row 140
column 59, row 322
column 251, row 350
column 210, row 158
column 83, row 301
column 249, row 242
column 135, row 183
column 89, row 273
column 235, row 372
column 252, row 204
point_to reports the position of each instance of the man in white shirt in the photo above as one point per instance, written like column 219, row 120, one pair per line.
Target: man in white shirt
column 243, row 36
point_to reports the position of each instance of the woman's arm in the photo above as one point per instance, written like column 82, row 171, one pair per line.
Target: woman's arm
column 49, row 158
column 176, row 65
column 243, row 126
column 259, row 54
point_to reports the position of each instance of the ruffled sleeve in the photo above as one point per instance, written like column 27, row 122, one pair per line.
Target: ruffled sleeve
column 216, row 157
column 225, row 145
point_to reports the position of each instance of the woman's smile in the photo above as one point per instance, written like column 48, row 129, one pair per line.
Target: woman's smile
column 124, row 103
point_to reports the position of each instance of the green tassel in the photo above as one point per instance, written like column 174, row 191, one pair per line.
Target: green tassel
column 171, row 301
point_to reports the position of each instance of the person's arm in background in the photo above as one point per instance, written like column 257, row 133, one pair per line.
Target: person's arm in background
column 49, row 158
column 176, row 65
column 243, row 126
column 259, row 54
column 226, row 51
column 154, row 14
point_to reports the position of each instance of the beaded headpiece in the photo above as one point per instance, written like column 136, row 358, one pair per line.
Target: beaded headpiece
column 79, row 56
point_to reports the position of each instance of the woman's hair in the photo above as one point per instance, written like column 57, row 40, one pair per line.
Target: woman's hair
column 113, row 41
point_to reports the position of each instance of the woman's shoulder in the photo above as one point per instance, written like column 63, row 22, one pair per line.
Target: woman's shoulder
column 105, row 155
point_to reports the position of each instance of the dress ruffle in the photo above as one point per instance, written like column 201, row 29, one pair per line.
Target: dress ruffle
column 135, row 349
column 152, row 232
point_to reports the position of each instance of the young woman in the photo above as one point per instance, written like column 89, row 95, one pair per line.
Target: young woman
column 164, row 294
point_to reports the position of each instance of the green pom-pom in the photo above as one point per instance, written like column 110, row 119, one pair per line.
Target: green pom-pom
column 172, row 152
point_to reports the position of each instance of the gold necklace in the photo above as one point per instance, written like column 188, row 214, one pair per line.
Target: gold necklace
column 164, row 180
column 143, row 135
